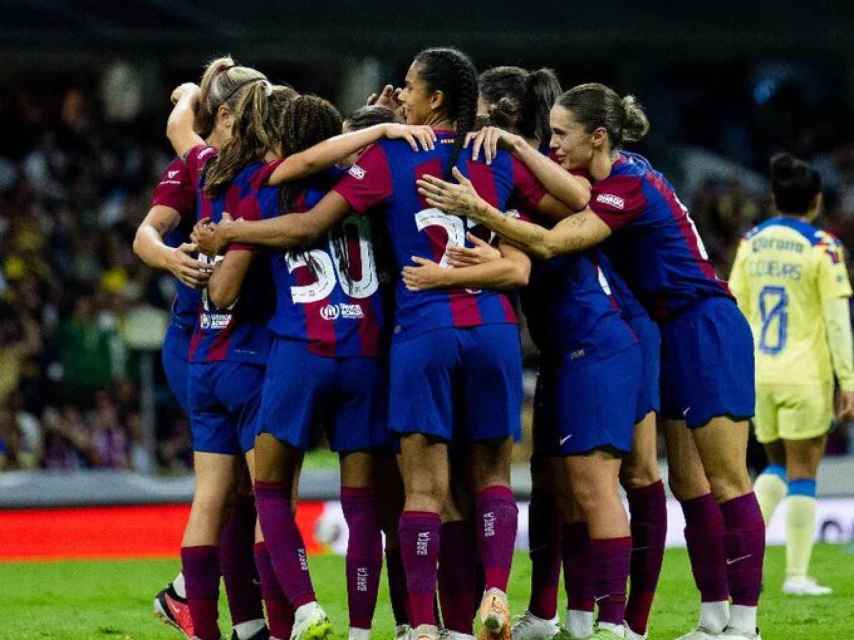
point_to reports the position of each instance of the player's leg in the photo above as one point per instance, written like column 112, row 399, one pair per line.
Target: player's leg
column 771, row 485
column 288, row 411
column 364, row 545
column 460, row 587
column 491, row 410
column 704, row 528
column 200, row 551
column 641, row 479
column 391, row 497
column 421, row 411
column 237, row 561
column 426, row 482
column 544, row 527
column 575, row 552
column 594, row 478
column 805, row 418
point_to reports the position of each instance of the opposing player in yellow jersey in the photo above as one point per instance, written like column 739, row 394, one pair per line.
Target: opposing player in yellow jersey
column 791, row 283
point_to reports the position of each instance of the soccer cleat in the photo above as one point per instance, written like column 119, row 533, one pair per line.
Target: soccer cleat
column 494, row 616
column 311, row 623
column 174, row 610
column 402, row 632
column 700, row 633
column 261, row 634
column 733, row 634
column 804, row 587
column 425, row 632
column 531, row 627
column 631, row 635
column 456, row 635
column 579, row 625
column 607, row 634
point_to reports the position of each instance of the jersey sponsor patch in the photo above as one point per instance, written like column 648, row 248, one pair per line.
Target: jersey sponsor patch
column 357, row 172
column 611, row 200
column 342, row 310
column 214, row 321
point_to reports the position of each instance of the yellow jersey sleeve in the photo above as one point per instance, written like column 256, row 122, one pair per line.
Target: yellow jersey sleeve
column 738, row 283
column 832, row 275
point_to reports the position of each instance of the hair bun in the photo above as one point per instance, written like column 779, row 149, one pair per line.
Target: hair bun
column 635, row 122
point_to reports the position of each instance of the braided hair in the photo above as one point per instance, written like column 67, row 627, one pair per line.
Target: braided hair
column 453, row 73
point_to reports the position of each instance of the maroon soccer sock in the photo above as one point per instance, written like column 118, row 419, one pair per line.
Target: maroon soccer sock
column 458, row 576
column 280, row 614
column 284, row 542
column 704, row 534
column 745, row 548
column 201, row 576
column 238, row 564
column 648, row 509
column 396, row 584
column 610, row 559
column 545, row 554
column 497, row 520
column 419, row 547
column 577, row 575
column 364, row 554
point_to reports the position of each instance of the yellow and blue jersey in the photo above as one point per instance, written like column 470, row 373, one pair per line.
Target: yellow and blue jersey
column 784, row 271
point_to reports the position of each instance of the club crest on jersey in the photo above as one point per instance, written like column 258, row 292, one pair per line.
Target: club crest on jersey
column 357, row 172
column 345, row 311
column 611, row 200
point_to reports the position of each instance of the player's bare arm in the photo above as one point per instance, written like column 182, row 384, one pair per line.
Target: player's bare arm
column 285, row 231
column 179, row 126
column 224, row 285
column 566, row 189
column 510, row 270
column 179, row 261
column 578, row 232
column 328, row 152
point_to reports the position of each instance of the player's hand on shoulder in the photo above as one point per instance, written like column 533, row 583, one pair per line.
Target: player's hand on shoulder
column 416, row 135
column 460, row 199
column 481, row 253
column 489, row 140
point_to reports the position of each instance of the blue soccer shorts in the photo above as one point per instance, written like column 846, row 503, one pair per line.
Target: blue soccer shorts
column 584, row 405
column 707, row 367
column 458, row 383
column 305, row 393
column 224, row 401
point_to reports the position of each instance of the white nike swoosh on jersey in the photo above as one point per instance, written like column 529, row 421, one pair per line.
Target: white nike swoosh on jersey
column 595, row 599
column 685, row 413
column 739, row 559
column 564, row 439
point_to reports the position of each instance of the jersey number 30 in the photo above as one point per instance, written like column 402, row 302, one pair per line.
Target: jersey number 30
column 328, row 271
column 774, row 314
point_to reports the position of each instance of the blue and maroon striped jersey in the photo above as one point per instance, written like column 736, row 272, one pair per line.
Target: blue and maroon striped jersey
column 571, row 306
column 655, row 245
column 327, row 295
column 175, row 190
column 239, row 333
column 383, row 180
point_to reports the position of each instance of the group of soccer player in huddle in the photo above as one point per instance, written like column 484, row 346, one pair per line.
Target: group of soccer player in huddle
column 360, row 278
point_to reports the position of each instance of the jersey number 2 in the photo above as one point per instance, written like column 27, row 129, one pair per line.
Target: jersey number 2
column 774, row 314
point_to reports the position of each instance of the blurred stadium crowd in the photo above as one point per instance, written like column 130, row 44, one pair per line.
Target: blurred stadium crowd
column 73, row 187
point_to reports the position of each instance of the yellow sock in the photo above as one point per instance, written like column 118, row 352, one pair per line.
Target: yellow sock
column 770, row 489
column 800, row 534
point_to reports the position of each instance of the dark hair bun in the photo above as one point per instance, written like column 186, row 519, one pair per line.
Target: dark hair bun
column 794, row 183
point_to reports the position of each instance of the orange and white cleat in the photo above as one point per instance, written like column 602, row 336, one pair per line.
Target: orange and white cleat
column 494, row 616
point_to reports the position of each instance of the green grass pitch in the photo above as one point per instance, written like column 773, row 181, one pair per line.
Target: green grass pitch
column 112, row 599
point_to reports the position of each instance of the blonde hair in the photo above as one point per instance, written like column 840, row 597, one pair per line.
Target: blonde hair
column 221, row 83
